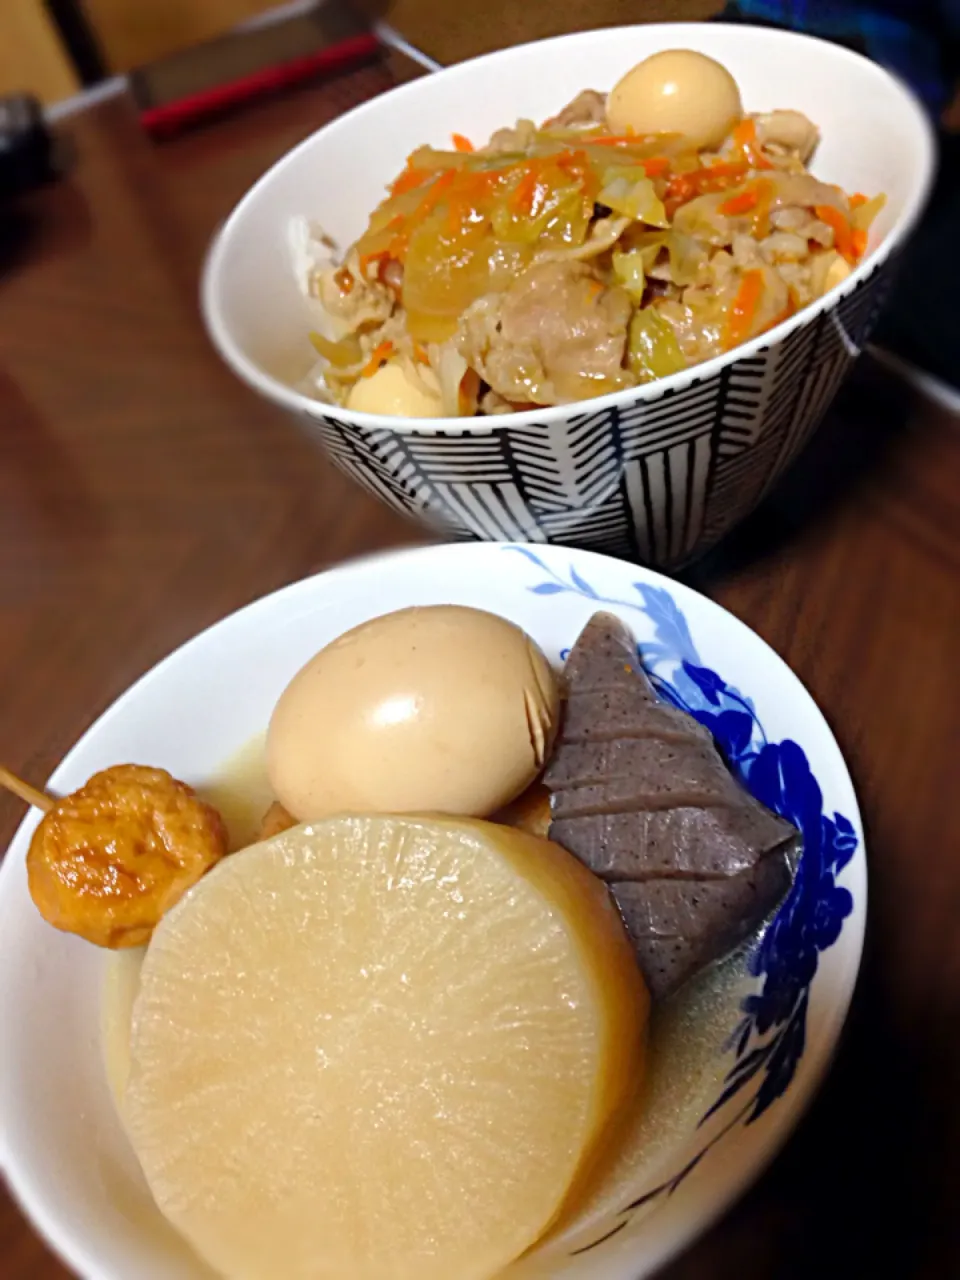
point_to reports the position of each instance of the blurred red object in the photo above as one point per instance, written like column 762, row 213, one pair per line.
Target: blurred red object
column 198, row 84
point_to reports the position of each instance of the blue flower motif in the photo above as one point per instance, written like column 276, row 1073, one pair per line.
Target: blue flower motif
column 769, row 1040
column 707, row 681
column 670, row 625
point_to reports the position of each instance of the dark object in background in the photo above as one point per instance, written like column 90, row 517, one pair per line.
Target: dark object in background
column 919, row 322
column 914, row 39
column 26, row 146
column 77, row 36
column 920, row 42
column 198, row 84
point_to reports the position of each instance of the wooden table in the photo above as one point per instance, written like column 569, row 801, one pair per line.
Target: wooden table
column 145, row 493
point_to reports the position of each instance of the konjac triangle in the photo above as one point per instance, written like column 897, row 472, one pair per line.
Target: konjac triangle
column 640, row 793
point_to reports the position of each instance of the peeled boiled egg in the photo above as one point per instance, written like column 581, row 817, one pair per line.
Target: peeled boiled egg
column 440, row 709
column 394, row 392
column 676, row 91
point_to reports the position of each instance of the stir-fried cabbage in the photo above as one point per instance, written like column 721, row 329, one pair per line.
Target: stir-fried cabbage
column 561, row 262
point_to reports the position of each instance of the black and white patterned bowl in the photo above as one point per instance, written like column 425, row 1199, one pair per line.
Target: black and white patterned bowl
column 657, row 473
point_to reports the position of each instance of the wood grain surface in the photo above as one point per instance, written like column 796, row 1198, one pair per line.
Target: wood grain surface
column 145, row 493
column 130, row 35
column 451, row 32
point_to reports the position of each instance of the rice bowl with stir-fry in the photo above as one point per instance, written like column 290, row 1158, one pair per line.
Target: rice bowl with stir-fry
column 631, row 236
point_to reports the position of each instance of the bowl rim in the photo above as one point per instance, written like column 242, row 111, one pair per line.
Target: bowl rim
column 299, row 402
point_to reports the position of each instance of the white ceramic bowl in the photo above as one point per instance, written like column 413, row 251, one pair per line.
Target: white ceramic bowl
column 764, row 1032
column 657, row 473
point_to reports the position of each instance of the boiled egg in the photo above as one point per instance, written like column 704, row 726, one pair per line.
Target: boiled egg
column 441, row 709
column 676, row 91
column 394, row 392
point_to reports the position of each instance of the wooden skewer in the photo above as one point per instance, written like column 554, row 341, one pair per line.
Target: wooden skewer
column 39, row 799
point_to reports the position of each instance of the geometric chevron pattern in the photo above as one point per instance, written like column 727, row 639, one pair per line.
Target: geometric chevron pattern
column 657, row 480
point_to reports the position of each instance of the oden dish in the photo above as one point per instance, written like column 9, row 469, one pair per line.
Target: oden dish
column 414, row 1045
column 676, row 409
column 383, row 1000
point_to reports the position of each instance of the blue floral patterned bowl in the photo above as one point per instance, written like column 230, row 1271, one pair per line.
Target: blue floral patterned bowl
column 736, row 1054
column 657, row 473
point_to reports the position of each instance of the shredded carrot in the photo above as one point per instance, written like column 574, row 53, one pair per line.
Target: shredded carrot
column 395, row 286
column 857, row 199
column 525, row 195
column 576, row 165
column 842, row 231
column 744, row 133
column 740, row 320
column 656, row 166
column 595, row 288
column 715, row 177
column 858, row 243
column 467, row 194
column 432, row 198
column 475, row 187
column 745, row 140
column 460, row 206
column 761, row 219
column 409, row 180
column 379, row 355
column 420, row 354
column 743, row 202
column 578, row 159
column 395, row 249
column 344, row 280
column 368, row 259
column 758, row 195
column 461, row 143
